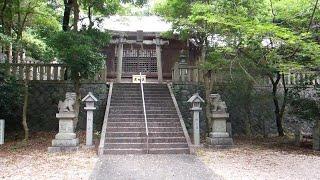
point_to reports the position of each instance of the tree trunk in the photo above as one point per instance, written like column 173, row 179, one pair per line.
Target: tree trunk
column 25, row 110
column 91, row 23
column 76, row 12
column 66, row 14
column 277, row 111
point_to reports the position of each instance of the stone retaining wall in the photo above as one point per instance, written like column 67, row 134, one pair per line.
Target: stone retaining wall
column 257, row 109
column 43, row 105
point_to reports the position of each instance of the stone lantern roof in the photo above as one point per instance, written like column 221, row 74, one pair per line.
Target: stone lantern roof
column 196, row 98
column 89, row 98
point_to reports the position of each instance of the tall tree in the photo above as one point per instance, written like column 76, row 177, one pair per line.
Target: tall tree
column 249, row 38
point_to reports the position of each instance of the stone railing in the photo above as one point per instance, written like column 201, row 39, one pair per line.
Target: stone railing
column 41, row 72
column 45, row 72
column 301, row 78
column 184, row 74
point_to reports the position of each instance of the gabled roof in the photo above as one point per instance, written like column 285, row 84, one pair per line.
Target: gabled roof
column 195, row 98
column 89, row 98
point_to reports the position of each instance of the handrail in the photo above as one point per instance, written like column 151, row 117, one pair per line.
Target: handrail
column 144, row 112
column 105, row 121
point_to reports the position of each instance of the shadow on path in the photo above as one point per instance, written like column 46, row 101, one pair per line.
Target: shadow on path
column 151, row 167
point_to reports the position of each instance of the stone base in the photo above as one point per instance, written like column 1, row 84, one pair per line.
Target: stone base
column 88, row 147
column 65, row 142
column 62, row 149
column 220, row 142
column 65, row 136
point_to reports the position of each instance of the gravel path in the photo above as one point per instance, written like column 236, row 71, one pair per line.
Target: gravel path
column 152, row 167
column 249, row 163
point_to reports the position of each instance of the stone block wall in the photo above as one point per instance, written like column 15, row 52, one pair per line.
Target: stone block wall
column 257, row 113
column 182, row 93
column 43, row 104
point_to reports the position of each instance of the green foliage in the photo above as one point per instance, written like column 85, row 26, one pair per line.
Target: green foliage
column 81, row 51
column 37, row 48
column 243, row 26
column 11, row 97
column 102, row 7
column 4, row 39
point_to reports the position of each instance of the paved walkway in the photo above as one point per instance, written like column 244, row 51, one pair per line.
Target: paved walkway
column 151, row 167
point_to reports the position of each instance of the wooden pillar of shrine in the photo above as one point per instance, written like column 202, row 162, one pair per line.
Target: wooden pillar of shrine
column 119, row 58
column 159, row 61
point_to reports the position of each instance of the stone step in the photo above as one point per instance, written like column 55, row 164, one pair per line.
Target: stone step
column 142, row 124
column 140, row 111
column 124, row 151
column 167, row 145
column 144, row 145
column 137, row 98
column 125, row 104
column 127, row 98
column 143, row 129
column 149, row 116
column 125, row 146
column 127, row 111
column 126, row 134
column 144, row 140
column 169, row 151
column 138, row 92
column 143, row 134
column 141, row 119
column 153, row 111
column 159, row 108
column 136, row 95
column 152, row 116
column 149, row 104
column 144, row 151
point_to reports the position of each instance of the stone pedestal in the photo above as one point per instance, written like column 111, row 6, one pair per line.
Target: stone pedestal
column 65, row 140
column 219, row 137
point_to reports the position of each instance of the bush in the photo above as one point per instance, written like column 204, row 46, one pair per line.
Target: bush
column 11, row 99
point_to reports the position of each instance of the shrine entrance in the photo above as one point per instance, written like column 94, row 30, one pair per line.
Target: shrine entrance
column 135, row 54
column 137, row 59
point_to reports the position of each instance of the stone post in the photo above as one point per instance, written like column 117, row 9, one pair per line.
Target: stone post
column 89, row 99
column 219, row 137
column 120, row 56
column 2, row 131
column 66, row 139
column 159, row 61
column 196, row 100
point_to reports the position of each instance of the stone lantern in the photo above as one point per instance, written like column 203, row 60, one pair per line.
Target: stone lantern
column 183, row 66
column 182, row 57
column 196, row 101
column 89, row 100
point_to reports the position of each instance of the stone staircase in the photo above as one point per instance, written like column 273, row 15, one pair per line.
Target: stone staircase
column 125, row 127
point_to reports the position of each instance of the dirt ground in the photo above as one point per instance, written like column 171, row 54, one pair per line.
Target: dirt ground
column 275, row 158
column 31, row 161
